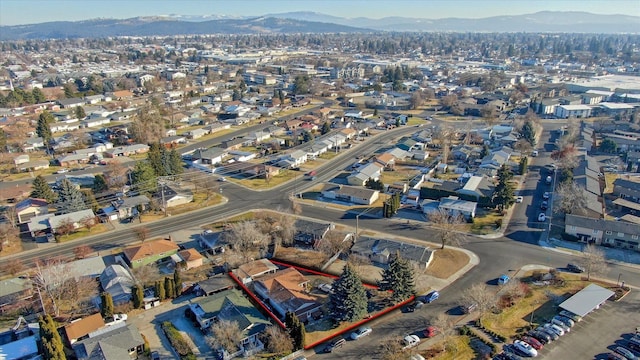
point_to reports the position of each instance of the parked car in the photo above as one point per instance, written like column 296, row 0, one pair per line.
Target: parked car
column 503, row 279
column 544, row 205
column 548, row 180
column 628, row 354
column 555, row 328
column 615, row 356
column 575, row 268
column 549, row 333
column 570, row 315
column 334, row 345
column 410, row 341
column 222, row 179
column 525, row 348
column 519, row 199
column 559, row 323
column 565, row 320
column 154, row 355
column 533, row 342
column 361, row 332
column 543, row 337
column 542, row 217
column 546, row 195
column 430, row 332
column 414, row 306
column 431, row 297
column 325, row 288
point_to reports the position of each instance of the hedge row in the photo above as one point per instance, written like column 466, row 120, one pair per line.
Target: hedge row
column 465, row 330
column 177, row 341
column 495, row 335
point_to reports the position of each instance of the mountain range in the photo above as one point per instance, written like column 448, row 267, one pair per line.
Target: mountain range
column 312, row 22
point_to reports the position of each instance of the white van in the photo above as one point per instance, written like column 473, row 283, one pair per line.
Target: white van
column 534, row 153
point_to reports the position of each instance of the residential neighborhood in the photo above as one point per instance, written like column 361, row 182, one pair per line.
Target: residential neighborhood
column 335, row 194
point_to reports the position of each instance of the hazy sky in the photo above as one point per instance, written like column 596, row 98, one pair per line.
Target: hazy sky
column 16, row 12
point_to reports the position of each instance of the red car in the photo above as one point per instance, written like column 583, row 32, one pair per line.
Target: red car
column 430, row 331
column 533, row 342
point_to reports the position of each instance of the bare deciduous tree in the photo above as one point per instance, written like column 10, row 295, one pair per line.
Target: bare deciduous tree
column 593, row 261
column 8, row 235
column 566, row 156
column 513, row 289
column 390, row 349
column 523, row 146
column 226, row 335
column 147, row 274
column 570, row 198
column 65, row 227
column 332, row 243
column 481, row 295
column 142, row 233
column 116, row 175
column 444, row 325
column 13, row 266
column 447, row 228
column 89, row 222
column 50, row 278
column 444, row 136
column 82, row 251
column 246, row 237
column 278, row 341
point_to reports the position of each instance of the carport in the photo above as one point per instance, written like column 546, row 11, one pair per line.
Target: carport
column 587, row 300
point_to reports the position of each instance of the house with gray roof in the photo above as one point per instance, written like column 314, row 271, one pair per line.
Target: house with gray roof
column 627, row 189
column 210, row 156
column 71, row 103
column 350, row 194
column 117, row 281
column 382, row 251
column 310, row 232
column 117, row 342
column 371, row 170
column 454, row 206
column 477, row 187
column 14, row 290
column 618, row 234
column 52, row 222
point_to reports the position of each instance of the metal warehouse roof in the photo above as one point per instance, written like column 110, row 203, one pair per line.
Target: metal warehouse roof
column 586, row 300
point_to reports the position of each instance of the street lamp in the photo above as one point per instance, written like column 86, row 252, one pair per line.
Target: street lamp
column 618, row 283
column 533, row 309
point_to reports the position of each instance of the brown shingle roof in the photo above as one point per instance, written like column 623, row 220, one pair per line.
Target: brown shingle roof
column 84, row 326
column 149, row 248
column 190, row 255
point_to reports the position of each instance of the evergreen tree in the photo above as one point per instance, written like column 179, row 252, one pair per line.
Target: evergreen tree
column 144, row 177
column 106, row 308
column 349, row 299
column 326, row 128
column 398, row 277
column 528, row 133
column 3, row 141
column 137, row 296
column 524, row 163
column 177, row 282
column 295, row 329
column 51, row 340
column 160, row 290
column 70, row 198
column 38, row 96
column 175, row 162
column 79, row 112
column 155, row 156
column 100, row 184
column 42, row 128
column 169, row 287
column 42, row 190
column 504, row 196
column 90, row 199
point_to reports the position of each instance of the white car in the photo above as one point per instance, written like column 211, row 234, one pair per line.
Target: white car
column 325, row 288
column 525, row 348
column 555, row 328
column 559, row 323
column 361, row 332
column 410, row 341
column 117, row 319
column 542, row 217
column 546, row 195
column 519, row 199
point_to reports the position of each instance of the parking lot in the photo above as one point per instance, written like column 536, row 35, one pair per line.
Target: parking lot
column 599, row 332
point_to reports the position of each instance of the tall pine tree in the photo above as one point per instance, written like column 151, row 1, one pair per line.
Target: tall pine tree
column 169, row 287
column 503, row 196
column 295, row 329
column 398, row 277
column 106, row 308
column 137, row 296
column 43, row 129
column 177, row 282
column 53, row 348
column 70, row 198
column 42, row 190
column 349, row 299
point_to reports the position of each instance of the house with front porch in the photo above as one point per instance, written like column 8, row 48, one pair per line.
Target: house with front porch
column 149, row 252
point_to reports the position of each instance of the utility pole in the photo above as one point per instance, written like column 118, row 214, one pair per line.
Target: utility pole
column 164, row 203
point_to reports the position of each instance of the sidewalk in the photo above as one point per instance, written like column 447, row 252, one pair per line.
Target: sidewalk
column 618, row 256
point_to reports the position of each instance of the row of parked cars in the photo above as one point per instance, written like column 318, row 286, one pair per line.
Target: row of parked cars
column 629, row 350
column 529, row 345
